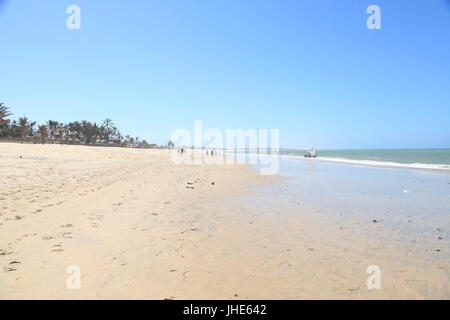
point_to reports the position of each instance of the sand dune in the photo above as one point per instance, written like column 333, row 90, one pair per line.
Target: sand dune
column 140, row 227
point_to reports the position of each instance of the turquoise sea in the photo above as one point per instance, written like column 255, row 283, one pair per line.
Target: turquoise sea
column 406, row 156
column 409, row 158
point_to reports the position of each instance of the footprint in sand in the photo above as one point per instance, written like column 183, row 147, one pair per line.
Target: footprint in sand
column 351, row 289
column 26, row 235
column 285, row 264
column 65, row 235
column 4, row 252
column 9, row 269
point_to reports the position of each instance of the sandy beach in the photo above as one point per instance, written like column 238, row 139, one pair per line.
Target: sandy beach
column 141, row 227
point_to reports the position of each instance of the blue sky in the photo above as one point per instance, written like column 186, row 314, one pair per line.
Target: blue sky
column 309, row 68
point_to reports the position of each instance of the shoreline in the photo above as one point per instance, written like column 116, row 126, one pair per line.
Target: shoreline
column 442, row 168
column 445, row 169
column 130, row 220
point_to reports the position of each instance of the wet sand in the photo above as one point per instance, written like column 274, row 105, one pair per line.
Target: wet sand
column 141, row 227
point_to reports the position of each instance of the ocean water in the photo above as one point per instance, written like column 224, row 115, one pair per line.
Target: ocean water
column 438, row 159
column 367, row 190
column 405, row 156
column 397, row 218
column 394, row 185
column 411, row 203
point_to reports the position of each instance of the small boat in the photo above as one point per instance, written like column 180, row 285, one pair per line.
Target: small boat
column 311, row 153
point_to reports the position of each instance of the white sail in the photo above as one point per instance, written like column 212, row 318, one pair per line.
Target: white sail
column 312, row 152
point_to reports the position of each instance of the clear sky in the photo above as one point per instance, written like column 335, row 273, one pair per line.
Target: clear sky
column 309, row 68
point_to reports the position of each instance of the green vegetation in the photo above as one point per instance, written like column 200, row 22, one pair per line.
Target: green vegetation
column 79, row 132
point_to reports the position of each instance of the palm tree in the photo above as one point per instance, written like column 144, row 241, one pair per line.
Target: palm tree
column 74, row 129
column 31, row 132
column 43, row 131
column 4, row 112
column 52, row 127
column 107, row 129
column 23, row 123
column 86, row 131
column 14, row 129
column 96, row 133
column 170, row 144
column 116, row 135
column 74, row 137
column 119, row 137
column 61, row 129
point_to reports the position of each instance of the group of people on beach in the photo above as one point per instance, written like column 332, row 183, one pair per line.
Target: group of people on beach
column 211, row 152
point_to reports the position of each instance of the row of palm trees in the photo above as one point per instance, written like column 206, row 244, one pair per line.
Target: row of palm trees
column 78, row 132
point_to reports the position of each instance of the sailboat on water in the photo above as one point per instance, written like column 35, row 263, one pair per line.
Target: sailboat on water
column 311, row 153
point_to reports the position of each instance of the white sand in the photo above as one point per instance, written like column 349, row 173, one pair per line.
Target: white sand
column 126, row 218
